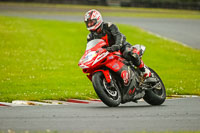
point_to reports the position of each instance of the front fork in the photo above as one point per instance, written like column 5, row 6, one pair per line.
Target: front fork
column 107, row 76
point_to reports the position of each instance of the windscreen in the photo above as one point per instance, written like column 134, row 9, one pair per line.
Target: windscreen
column 93, row 43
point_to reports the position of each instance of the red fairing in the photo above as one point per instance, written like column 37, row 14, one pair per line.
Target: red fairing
column 105, row 72
column 105, row 38
column 89, row 76
column 115, row 65
column 106, row 75
column 125, row 76
column 93, row 55
column 96, row 58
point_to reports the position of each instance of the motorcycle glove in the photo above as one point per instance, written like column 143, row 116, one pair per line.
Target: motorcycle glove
column 115, row 47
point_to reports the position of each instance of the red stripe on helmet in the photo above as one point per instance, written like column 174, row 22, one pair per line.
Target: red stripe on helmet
column 90, row 15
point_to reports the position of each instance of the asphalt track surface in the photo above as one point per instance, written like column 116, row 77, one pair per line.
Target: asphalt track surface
column 173, row 115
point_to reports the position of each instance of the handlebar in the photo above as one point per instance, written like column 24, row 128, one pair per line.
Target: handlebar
column 109, row 49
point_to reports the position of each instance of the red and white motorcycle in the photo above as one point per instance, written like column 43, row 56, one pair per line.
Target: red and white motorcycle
column 116, row 80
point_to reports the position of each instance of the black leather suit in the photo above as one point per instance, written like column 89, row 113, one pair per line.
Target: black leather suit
column 112, row 36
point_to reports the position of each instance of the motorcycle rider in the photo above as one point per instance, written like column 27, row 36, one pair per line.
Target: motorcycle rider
column 115, row 40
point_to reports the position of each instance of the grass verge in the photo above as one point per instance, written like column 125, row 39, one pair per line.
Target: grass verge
column 38, row 60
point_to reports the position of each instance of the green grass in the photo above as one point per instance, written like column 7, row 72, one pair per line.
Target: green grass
column 38, row 60
column 107, row 11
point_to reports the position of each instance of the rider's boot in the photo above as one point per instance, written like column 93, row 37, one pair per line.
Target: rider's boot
column 144, row 69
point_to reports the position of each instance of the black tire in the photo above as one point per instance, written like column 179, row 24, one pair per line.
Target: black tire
column 155, row 96
column 99, row 84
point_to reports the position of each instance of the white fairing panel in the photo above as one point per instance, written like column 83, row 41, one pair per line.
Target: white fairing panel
column 100, row 57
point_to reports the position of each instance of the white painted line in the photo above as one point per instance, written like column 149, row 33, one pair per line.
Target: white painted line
column 10, row 104
column 77, row 101
column 55, row 102
column 21, row 102
column 3, row 104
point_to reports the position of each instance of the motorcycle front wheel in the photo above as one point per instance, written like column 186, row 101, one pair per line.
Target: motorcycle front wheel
column 111, row 96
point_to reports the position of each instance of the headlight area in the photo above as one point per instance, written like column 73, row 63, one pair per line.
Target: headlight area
column 89, row 57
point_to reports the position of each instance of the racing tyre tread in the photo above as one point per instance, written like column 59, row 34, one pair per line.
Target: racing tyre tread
column 151, row 97
column 97, row 81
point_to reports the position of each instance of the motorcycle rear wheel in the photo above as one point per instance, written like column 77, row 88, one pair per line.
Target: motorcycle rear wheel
column 110, row 97
column 155, row 96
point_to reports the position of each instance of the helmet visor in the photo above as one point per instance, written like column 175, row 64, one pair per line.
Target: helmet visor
column 90, row 23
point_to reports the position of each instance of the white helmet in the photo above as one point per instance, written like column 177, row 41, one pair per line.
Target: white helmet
column 93, row 20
